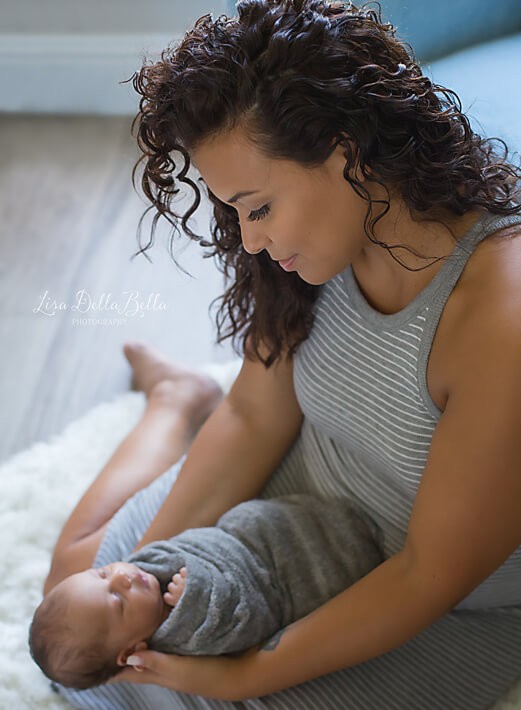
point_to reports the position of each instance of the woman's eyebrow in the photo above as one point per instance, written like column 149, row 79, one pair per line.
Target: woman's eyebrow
column 238, row 196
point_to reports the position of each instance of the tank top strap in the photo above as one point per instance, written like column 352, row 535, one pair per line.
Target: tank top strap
column 484, row 227
column 451, row 271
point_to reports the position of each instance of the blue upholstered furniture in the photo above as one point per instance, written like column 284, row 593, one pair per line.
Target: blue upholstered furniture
column 472, row 47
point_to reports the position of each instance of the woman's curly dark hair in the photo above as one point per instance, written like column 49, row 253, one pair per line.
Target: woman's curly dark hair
column 298, row 76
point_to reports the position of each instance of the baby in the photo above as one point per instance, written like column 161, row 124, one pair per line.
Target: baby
column 207, row 591
column 89, row 624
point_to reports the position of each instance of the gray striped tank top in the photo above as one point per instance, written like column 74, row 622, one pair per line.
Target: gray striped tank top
column 360, row 379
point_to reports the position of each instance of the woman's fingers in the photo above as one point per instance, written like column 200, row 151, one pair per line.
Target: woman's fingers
column 217, row 677
column 141, row 668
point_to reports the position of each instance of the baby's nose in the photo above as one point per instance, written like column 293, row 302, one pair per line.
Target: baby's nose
column 120, row 580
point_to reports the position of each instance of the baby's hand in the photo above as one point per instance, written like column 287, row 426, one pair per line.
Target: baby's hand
column 175, row 588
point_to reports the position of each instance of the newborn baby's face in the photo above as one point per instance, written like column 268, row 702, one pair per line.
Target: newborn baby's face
column 118, row 601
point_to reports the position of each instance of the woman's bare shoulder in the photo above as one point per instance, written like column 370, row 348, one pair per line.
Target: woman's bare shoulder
column 492, row 272
column 489, row 299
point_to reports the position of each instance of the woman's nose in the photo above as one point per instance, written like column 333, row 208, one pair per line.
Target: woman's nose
column 253, row 238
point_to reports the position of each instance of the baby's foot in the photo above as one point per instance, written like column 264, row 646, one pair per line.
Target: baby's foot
column 176, row 386
column 176, row 587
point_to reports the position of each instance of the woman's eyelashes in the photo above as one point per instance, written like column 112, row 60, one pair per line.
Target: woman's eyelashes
column 259, row 214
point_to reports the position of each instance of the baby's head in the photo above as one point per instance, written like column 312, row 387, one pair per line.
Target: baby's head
column 87, row 626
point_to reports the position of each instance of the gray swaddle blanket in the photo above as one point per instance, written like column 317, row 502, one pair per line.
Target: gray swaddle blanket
column 265, row 564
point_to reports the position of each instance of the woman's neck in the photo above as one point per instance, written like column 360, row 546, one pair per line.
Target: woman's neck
column 388, row 285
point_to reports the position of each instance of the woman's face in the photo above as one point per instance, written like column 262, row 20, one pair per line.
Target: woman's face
column 310, row 213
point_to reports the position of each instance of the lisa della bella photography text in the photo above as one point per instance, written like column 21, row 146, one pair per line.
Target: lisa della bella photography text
column 130, row 305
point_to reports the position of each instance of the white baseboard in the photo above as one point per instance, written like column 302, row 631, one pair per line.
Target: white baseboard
column 77, row 73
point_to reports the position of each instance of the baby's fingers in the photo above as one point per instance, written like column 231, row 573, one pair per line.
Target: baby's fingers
column 180, row 576
column 171, row 596
column 175, row 588
column 170, row 599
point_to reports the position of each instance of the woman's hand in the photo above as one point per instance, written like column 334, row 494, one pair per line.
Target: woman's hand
column 217, row 677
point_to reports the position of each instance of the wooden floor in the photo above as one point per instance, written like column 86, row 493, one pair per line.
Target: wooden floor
column 70, row 294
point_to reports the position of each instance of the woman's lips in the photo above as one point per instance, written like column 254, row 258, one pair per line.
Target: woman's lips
column 288, row 263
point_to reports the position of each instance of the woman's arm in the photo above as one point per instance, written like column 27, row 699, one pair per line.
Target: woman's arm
column 464, row 524
column 383, row 610
column 236, row 451
column 156, row 442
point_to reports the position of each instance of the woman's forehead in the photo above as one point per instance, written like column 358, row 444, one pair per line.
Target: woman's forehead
column 231, row 167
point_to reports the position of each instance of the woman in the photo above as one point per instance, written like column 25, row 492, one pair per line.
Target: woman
column 381, row 352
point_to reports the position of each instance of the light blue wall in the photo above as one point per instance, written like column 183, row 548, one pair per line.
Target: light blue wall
column 435, row 28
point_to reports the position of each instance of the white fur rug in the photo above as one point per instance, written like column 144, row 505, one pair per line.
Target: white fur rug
column 40, row 486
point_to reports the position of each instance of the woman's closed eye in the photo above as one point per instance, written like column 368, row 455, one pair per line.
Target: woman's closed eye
column 259, row 214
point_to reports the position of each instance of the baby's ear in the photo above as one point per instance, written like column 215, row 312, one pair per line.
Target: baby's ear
column 122, row 656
